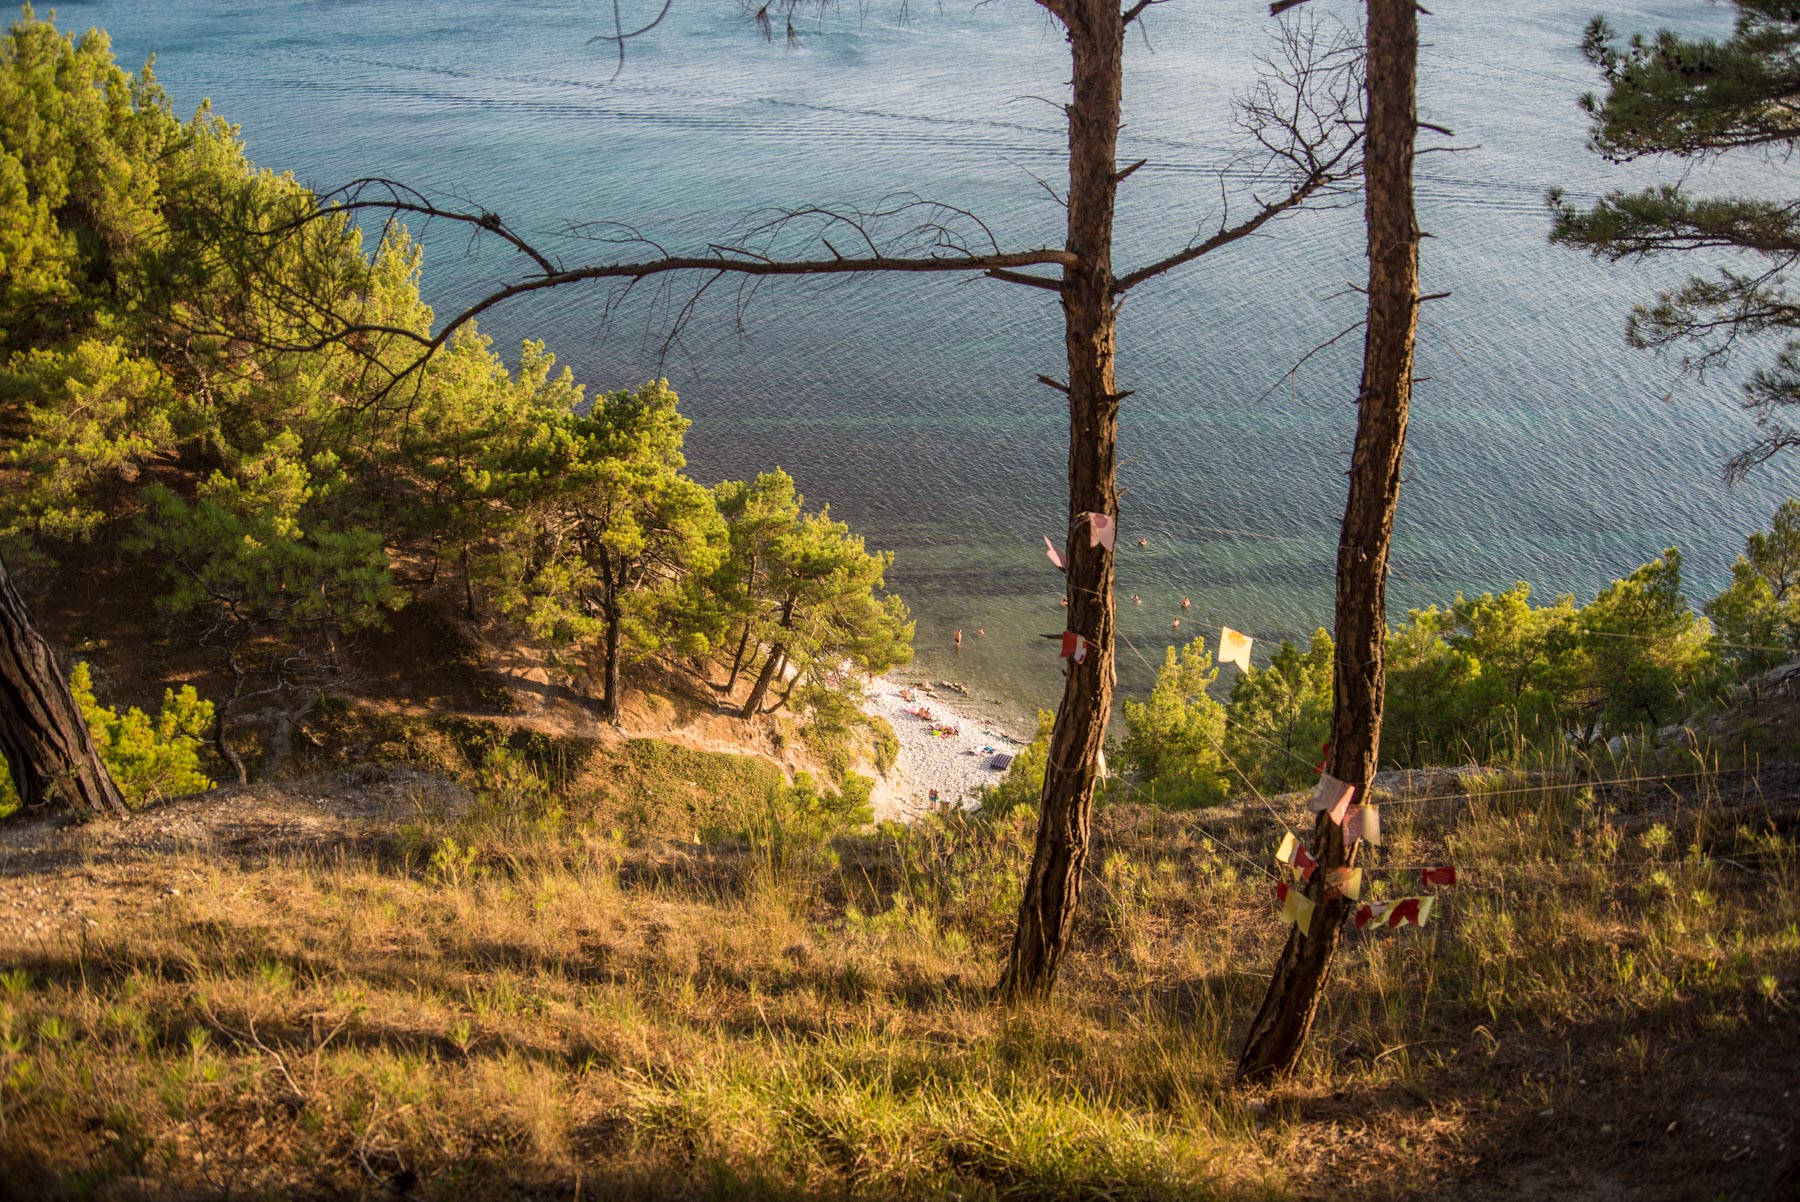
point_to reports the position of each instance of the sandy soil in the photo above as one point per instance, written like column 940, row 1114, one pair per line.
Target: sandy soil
column 957, row 766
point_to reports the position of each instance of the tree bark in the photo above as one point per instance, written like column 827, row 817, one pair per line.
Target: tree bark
column 1279, row 1032
column 42, row 734
column 1096, row 35
column 737, row 661
column 772, row 665
column 609, row 695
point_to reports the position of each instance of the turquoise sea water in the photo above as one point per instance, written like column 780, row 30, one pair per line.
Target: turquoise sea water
column 1541, row 447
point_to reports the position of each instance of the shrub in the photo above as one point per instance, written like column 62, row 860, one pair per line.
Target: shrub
column 149, row 759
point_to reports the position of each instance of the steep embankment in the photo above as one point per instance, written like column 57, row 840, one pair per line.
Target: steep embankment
column 461, row 698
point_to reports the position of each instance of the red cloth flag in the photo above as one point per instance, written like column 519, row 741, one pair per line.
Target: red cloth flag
column 1440, row 876
column 1294, row 855
column 1074, row 646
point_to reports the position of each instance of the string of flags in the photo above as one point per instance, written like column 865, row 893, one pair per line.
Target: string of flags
column 1360, row 821
column 1402, row 911
column 1103, row 531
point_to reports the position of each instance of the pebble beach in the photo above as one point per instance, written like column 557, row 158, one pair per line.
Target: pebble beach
column 957, row 765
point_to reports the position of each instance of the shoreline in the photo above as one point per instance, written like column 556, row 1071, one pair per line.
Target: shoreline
column 957, row 765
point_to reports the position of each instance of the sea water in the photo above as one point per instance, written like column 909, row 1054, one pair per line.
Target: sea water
column 1542, row 448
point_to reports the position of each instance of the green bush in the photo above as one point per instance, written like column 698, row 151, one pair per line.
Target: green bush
column 148, row 758
column 1023, row 783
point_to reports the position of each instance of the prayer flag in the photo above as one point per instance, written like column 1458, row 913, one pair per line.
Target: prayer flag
column 1074, row 646
column 1296, row 908
column 1291, row 853
column 1234, row 648
column 1363, row 822
column 1332, row 797
column 1416, row 910
column 1345, row 882
column 1440, row 876
column 1102, row 531
column 1397, row 913
column 1100, row 763
column 1055, row 555
column 1324, row 754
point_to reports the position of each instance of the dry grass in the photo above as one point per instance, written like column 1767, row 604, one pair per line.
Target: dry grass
column 466, row 1007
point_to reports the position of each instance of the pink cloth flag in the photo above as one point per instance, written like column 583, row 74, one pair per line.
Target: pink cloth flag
column 1345, row 882
column 1363, row 822
column 1074, row 646
column 1445, row 875
column 1102, row 530
column 1332, row 797
column 1234, row 648
column 1055, row 555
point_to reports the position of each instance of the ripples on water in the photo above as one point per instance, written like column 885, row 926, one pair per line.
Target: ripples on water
column 1539, row 450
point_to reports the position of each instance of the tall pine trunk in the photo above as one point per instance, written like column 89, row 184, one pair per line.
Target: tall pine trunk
column 776, row 661
column 737, row 661
column 1096, row 33
column 42, row 734
column 1279, row 1032
column 609, row 694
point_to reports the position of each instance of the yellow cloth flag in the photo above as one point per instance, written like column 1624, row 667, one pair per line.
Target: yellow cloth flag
column 1297, row 908
column 1234, row 648
column 1346, row 882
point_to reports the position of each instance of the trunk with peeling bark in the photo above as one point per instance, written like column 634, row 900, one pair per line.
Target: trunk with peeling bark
column 1096, row 33
column 42, row 734
column 1279, row 1032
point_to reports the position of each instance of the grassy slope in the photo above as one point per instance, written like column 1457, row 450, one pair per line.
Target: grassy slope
column 362, row 984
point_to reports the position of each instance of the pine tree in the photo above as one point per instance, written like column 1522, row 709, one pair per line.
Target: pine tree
column 612, row 532
column 1698, row 99
column 1758, row 614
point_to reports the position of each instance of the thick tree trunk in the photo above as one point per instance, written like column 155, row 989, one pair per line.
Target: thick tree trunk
column 753, row 703
column 1279, row 1031
column 609, row 695
column 42, row 733
column 1096, row 33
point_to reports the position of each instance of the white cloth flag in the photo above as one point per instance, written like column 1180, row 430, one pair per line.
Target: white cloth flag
column 1234, row 648
column 1363, row 822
